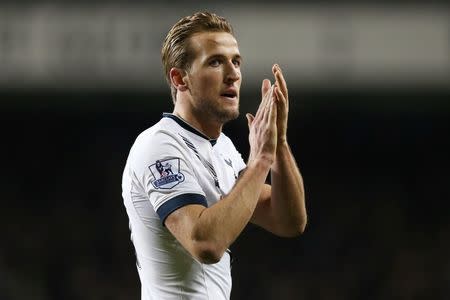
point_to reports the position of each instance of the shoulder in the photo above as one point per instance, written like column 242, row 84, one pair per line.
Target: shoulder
column 162, row 133
column 160, row 140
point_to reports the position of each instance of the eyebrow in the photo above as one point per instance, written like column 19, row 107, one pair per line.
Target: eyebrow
column 237, row 56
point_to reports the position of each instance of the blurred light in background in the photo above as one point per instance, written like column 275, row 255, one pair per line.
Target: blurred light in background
column 327, row 46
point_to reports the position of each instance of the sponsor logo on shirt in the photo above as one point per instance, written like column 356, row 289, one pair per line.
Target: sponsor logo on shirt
column 166, row 173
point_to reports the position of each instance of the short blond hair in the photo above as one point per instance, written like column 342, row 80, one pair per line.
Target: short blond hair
column 175, row 50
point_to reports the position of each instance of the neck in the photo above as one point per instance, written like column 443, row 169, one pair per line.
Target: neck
column 205, row 125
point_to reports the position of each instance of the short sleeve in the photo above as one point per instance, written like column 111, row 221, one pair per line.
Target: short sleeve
column 161, row 167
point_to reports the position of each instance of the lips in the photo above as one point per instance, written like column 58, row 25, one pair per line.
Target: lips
column 229, row 93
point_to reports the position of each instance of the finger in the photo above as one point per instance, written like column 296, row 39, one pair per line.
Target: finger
column 282, row 101
column 270, row 94
column 282, row 105
column 265, row 87
column 279, row 78
column 282, row 96
column 281, row 82
column 267, row 102
column 272, row 116
column 250, row 119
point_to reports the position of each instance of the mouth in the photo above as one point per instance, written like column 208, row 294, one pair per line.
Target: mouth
column 229, row 94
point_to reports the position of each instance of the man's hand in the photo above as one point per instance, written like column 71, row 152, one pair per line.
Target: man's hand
column 263, row 126
column 281, row 95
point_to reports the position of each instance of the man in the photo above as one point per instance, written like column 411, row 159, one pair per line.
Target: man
column 184, row 220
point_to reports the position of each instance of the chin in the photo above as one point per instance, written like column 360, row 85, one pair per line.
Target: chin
column 228, row 115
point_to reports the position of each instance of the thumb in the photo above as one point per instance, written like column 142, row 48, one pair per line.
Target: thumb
column 250, row 119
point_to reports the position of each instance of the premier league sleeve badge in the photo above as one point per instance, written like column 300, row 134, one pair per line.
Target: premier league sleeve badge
column 166, row 173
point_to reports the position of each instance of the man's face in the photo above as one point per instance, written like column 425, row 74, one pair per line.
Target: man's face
column 214, row 78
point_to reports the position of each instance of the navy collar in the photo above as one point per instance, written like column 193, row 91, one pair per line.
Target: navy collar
column 188, row 127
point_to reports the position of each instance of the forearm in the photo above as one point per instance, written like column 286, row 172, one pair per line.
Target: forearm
column 220, row 224
column 288, row 194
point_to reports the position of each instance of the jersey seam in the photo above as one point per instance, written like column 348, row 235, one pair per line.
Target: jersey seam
column 204, row 281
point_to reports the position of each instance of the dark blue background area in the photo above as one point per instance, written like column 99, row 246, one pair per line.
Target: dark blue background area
column 375, row 166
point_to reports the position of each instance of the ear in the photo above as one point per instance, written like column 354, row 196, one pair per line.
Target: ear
column 177, row 77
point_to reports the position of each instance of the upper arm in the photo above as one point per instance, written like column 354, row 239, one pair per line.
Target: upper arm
column 161, row 168
column 182, row 223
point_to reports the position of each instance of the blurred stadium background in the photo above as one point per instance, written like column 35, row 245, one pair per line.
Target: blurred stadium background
column 369, row 124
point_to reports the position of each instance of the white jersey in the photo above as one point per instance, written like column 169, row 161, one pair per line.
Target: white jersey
column 169, row 166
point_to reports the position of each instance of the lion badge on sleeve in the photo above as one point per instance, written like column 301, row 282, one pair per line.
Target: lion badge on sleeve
column 166, row 173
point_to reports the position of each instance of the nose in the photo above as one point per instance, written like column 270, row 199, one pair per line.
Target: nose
column 233, row 73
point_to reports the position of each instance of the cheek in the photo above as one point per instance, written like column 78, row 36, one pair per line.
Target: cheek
column 210, row 81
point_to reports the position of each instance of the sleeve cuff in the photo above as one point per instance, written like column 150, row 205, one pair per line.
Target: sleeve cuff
column 177, row 202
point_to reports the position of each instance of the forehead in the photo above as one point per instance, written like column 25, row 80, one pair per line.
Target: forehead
column 205, row 44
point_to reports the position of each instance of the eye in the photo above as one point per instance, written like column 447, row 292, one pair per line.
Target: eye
column 237, row 62
column 214, row 62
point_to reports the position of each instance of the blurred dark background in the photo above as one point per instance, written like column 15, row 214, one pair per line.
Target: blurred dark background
column 374, row 154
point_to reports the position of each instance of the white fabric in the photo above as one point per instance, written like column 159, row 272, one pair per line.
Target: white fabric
column 188, row 166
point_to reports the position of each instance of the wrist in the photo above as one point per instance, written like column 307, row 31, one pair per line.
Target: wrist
column 261, row 162
column 282, row 145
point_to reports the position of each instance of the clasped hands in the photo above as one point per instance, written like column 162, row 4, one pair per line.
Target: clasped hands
column 268, row 128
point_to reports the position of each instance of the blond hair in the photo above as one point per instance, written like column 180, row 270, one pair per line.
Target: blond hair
column 175, row 50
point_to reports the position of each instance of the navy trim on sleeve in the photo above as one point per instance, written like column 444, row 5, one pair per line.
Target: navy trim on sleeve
column 177, row 202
